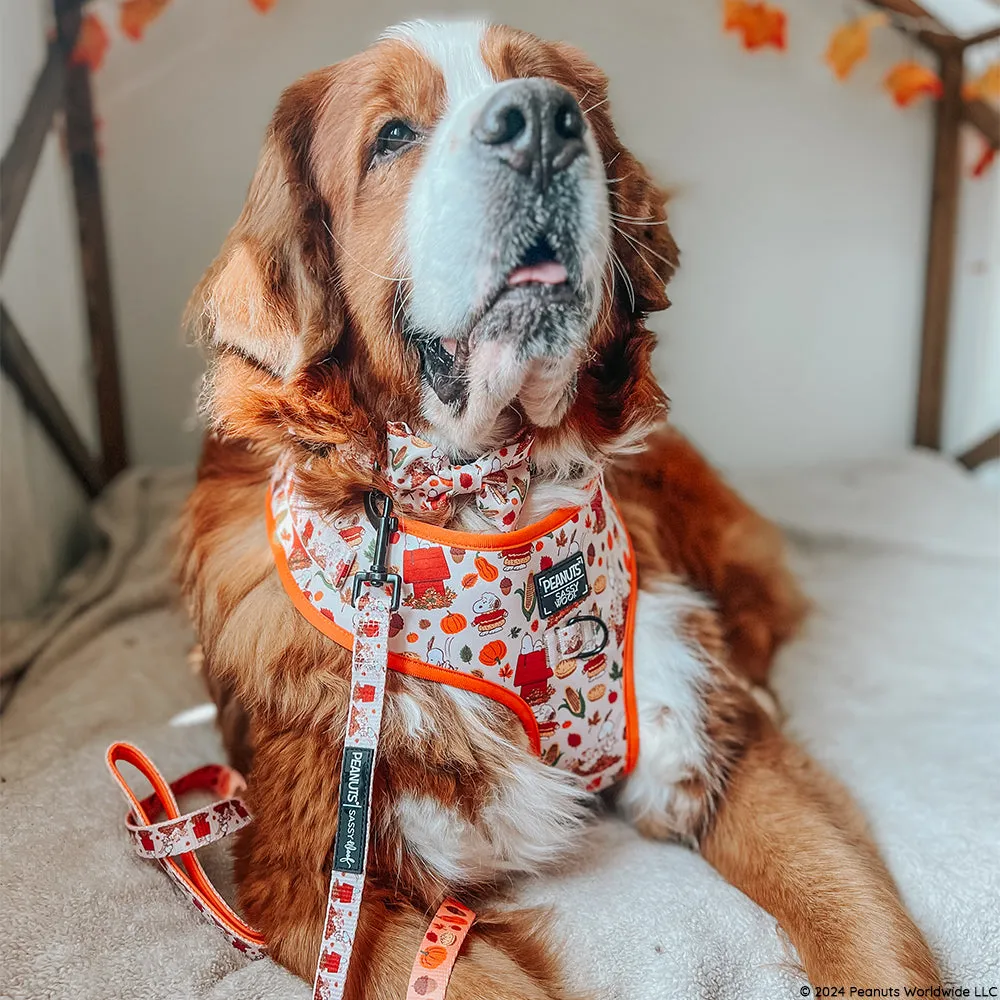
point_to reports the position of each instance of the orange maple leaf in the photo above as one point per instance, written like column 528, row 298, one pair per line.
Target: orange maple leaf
column 136, row 15
column 985, row 160
column 91, row 43
column 909, row 80
column 263, row 5
column 849, row 44
column 985, row 87
column 760, row 24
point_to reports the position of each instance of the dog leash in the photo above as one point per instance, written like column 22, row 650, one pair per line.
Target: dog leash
column 172, row 843
column 375, row 595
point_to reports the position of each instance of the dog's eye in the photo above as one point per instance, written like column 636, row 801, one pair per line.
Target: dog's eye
column 395, row 136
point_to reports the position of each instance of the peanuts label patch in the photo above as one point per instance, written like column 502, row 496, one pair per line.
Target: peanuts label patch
column 355, row 790
column 562, row 585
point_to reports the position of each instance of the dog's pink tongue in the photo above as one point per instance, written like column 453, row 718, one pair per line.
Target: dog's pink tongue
column 549, row 272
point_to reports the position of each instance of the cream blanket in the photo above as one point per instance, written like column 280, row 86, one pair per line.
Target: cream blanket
column 895, row 686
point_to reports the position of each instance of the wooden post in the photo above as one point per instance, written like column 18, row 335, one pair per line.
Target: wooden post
column 93, row 243
column 21, row 157
column 987, row 450
column 940, row 253
column 40, row 399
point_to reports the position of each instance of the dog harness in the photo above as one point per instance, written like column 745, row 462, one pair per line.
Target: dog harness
column 537, row 618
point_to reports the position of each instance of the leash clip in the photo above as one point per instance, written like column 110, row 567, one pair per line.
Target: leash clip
column 377, row 574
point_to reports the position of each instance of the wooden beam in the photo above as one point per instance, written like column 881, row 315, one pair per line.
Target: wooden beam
column 985, row 117
column 934, row 35
column 40, row 399
column 987, row 35
column 939, row 39
column 85, row 170
column 21, row 157
column 987, row 450
column 940, row 254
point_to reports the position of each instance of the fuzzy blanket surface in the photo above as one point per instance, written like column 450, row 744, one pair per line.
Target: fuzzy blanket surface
column 894, row 686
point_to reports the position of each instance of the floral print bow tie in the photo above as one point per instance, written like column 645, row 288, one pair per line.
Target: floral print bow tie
column 423, row 478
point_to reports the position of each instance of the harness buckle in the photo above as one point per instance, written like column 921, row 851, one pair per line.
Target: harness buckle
column 602, row 642
column 378, row 574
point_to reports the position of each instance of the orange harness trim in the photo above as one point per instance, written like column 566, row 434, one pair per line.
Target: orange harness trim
column 401, row 664
column 408, row 663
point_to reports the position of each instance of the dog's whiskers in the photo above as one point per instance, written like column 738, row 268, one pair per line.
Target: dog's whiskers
column 385, row 277
column 587, row 111
column 616, row 261
column 638, row 247
column 649, row 221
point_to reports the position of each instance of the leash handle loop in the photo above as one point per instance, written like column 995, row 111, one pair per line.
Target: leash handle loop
column 172, row 843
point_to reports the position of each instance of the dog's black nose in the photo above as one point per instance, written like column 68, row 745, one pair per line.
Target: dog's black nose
column 535, row 126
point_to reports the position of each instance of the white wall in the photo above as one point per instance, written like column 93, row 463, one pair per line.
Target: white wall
column 973, row 384
column 43, row 522
column 800, row 207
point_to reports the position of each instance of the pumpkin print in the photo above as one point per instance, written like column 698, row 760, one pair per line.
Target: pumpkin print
column 493, row 653
column 432, row 957
column 453, row 623
column 486, row 569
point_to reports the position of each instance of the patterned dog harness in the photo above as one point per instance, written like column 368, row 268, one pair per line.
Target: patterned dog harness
column 538, row 618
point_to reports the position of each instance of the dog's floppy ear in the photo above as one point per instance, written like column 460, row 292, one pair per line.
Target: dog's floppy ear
column 641, row 238
column 270, row 296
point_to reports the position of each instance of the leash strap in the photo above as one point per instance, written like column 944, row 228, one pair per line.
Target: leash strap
column 173, row 841
column 369, row 663
column 438, row 951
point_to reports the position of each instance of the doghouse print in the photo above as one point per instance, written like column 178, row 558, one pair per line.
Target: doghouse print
column 532, row 671
column 426, row 570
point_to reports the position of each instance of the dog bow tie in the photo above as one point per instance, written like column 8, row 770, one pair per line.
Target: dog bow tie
column 424, row 479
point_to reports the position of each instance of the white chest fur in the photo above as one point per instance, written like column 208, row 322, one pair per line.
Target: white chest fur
column 537, row 812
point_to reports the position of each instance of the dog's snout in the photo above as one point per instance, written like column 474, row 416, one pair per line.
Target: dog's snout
column 534, row 126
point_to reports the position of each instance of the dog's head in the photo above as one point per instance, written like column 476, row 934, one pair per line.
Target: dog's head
column 444, row 230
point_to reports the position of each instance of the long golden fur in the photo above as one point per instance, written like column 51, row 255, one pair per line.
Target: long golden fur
column 305, row 356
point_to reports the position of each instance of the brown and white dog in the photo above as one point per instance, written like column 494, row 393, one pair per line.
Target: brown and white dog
column 369, row 279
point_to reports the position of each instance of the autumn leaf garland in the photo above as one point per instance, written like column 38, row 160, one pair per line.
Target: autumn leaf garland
column 134, row 17
column 762, row 25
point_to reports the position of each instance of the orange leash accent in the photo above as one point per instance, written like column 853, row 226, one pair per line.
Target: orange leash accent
column 439, row 950
column 172, row 843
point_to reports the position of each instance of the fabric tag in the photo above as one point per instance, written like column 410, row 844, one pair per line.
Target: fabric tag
column 355, row 791
column 563, row 584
